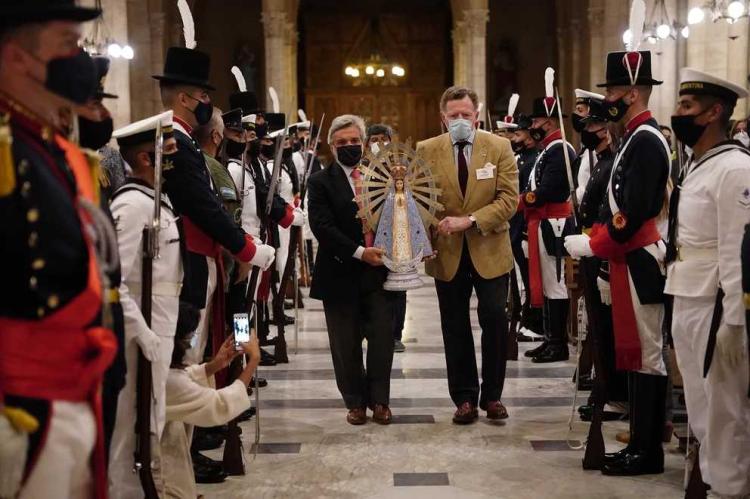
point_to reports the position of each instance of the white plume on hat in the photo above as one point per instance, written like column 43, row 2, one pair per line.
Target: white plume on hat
column 637, row 19
column 512, row 104
column 188, row 26
column 274, row 99
column 241, row 84
column 549, row 81
column 302, row 115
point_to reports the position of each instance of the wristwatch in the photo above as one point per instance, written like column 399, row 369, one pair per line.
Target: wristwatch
column 473, row 221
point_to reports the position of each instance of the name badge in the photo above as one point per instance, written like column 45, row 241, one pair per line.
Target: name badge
column 487, row 172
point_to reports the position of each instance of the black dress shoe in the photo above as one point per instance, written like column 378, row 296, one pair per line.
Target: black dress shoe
column 205, row 440
column 205, row 462
column 634, row 464
column 536, row 351
column 288, row 321
column 208, row 475
column 262, row 382
column 553, row 353
column 244, row 416
column 268, row 342
column 613, row 457
column 585, row 383
column 266, row 359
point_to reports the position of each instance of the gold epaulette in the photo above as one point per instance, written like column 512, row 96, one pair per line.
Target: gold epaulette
column 7, row 168
column 98, row 174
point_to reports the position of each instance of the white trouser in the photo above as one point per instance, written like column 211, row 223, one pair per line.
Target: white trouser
column 63, row 466
column 194, row 355
column 552, row 288
column 717, row 405
column 649, row 319
column 123, row 483
column 283, row 250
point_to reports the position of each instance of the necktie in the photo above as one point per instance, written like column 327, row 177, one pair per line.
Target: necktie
column 463, row 168
column 369, row 236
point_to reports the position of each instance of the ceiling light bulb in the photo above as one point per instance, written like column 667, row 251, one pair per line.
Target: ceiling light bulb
column 355, row 72
column 127, row 52
column 696, row 15
column 627, row 37
column 114, row 50
column 380, row 73
column 348, row 71
column 736, row 9
column 663, row 31
column 685, row 32
column 369, row 70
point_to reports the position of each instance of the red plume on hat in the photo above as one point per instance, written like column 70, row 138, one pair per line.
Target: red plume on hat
column 512, row 104
column 633, row 59
column 549, row 92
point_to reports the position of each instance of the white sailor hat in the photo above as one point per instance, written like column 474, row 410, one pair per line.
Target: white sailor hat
column 144, row 131
column 694, row 82
column 249, row 119
column 586, row 96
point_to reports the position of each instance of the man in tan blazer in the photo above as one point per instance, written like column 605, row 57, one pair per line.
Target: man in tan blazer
column 479, row 179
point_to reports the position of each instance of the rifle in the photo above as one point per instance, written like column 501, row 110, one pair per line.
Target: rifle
column 594, row 455
column 144, row 381
column 514, row 311
column 233, row 460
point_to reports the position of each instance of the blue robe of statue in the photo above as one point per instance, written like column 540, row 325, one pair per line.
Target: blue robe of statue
column 401, row 243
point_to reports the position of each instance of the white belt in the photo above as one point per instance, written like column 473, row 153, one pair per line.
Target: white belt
column 157, row 289
column 685, row 254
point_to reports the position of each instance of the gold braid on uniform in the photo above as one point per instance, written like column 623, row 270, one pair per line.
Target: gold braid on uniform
column 7, row 168
column 97, row 172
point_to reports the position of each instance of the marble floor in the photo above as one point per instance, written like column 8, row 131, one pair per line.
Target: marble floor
column 309, row 451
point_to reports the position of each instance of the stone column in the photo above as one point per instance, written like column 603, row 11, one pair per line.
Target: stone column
column 469, row 33
column 281, row 38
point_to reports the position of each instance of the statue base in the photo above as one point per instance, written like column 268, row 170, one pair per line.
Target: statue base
column 403, row 281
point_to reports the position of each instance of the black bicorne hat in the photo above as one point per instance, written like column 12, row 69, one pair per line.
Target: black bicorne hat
column 233, row 119
column 19, row 12
column 629, row 69
column 523, row 121
column 247, row 101
column 275, row 121
column 186, row 66
column 597, row 112
column 102, row 69
column 545, row 107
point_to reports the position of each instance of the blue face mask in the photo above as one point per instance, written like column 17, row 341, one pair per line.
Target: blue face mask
column 460, row 129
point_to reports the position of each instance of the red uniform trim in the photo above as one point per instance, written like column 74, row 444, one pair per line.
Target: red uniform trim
column 556, row 135
column 534, row 217
column 248, row 251
column 184, row 124
column 288, row 218
column 627, row 343
column 637, row 121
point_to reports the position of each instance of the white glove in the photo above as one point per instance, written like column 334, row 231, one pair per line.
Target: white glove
column 525, row 248
column 730, row 345
column 15, row 444
column 150, row 344
column 264, row 256
column 604, row 291
column 578, row 246
column 300, row 217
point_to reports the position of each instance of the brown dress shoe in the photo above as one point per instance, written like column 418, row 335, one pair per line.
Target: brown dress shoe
column 465, row 414
column 356, row 416
column 381, row 414
column 496, row 410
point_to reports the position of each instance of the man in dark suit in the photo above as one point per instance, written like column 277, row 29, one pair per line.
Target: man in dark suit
column 349, row 277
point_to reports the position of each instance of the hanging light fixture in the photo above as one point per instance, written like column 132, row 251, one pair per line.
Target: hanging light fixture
column 730, row 11
column 100, row 43
column 369, row 61
column 659, row 26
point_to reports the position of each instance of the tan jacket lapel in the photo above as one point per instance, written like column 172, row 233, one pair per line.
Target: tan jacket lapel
column 448, row 164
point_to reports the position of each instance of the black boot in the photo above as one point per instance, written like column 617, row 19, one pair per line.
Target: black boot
column 613, row 457
column 645, row 454
column 207, row 470
column 545, row 331
column 557, row 350
column 531, row 319
column 266, row 359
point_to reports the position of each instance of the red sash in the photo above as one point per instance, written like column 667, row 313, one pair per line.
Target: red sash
column 627, row 342
column 60, row 357
column 534, row 216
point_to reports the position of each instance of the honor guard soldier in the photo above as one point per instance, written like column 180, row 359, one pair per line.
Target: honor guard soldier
column 54, row 347
column 547, row 209
column 582, row 166
column 627, row 236
column 133, row 209
column 708, row 212
column 184, row 89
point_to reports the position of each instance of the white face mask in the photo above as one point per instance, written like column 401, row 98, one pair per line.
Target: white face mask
column 375, row 147
column 460, row 129
column 743, row 137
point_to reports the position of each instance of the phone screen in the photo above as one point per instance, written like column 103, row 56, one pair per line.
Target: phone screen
column 241, row 330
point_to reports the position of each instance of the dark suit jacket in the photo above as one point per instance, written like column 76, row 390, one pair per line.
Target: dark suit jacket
column 333, row 219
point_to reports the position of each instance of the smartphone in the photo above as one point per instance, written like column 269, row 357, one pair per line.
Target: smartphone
column 241, row 330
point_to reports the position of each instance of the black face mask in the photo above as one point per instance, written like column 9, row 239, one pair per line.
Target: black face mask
column 73, row 78
column 203, row 111
column 94, row 134
column 234, row 149
column 616, row 109
column 349, row 155
column 261, row 130
column 254, row 148
column 287, row 153
column 578, row 124
column 687, row 130
column 296, row 147
column 590, row 140
column 537, row 134
column 268, row 150
column 518, row 147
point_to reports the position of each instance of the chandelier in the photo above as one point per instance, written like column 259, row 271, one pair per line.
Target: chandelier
column 729, row 10
column 98, row 42
column 659, row 26
column 368, row 63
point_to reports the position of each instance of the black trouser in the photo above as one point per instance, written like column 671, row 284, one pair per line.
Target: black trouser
column 399, row 313
column 453, row 298
column 369, row 315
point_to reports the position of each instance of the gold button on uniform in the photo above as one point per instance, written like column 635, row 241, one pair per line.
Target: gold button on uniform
column 32, row 215
column 33, row 282
column 40, row 312
column 33, row 239
column 38, row 264
column 53, row 301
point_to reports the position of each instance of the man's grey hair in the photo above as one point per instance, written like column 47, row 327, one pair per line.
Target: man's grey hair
column 346, row 121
